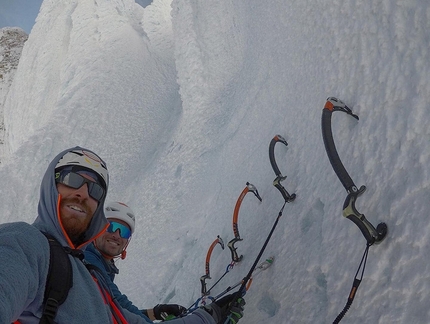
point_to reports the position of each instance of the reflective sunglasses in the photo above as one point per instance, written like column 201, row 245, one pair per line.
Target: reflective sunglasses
column 75, row 180
column 124, row 231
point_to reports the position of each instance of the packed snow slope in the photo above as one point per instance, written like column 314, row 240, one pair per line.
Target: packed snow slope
column 182, row 98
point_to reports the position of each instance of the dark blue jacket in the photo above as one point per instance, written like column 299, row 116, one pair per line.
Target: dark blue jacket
column 109, row 270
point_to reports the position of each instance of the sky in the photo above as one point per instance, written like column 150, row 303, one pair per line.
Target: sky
column 19, row 13
column 182, row 98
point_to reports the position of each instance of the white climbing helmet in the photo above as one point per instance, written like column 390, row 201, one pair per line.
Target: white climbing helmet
column 122, row 212
column 82, row 158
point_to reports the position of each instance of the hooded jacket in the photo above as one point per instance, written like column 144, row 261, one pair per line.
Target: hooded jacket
column 25, row 257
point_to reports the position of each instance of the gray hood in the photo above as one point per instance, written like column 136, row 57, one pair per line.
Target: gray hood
column 47, row 219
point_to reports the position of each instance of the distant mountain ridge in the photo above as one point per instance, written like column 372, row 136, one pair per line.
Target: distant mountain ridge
column 12, row 40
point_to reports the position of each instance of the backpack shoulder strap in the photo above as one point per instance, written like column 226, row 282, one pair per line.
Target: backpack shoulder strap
column 58, row 282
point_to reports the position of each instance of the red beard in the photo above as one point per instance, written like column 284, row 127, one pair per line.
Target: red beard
column 74, row 224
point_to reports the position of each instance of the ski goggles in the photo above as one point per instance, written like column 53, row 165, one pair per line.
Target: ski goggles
column 75, row 180
column 124, row 231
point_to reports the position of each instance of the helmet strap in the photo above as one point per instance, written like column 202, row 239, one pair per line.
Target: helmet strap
column 124, row 252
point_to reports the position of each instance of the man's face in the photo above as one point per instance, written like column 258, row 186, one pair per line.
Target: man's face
column 76, row 209
column 112, row 244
